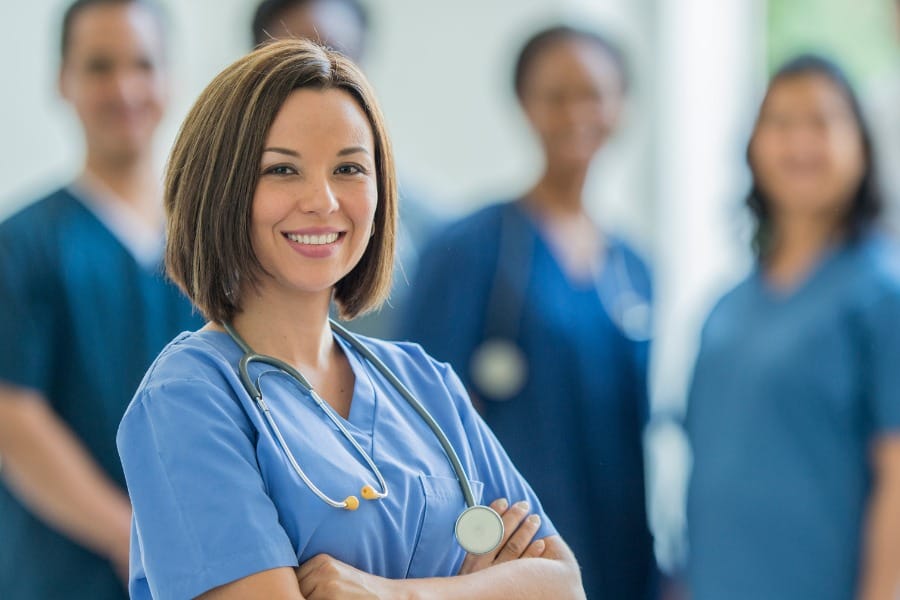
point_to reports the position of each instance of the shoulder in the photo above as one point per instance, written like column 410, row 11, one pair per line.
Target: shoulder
column 483, row 221
column 37, row 215
column 414, row 367
column 402, row 357
column 875, row 264
column 735, row 303
column 194, row 365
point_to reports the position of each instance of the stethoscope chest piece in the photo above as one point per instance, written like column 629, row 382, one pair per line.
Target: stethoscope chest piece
column 479, row 529
column 499, row 368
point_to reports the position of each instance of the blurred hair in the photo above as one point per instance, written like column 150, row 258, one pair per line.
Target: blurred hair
column 546, row 38
column 867, row 201
column 79, row 6
column 268, row 12
column 213, row 172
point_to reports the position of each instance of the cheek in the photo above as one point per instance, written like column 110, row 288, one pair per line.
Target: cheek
column 848, row 160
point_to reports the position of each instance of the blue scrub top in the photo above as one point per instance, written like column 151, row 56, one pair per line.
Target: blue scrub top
column 575, row 429
column 215, row 498
column 81, row 322
column 789, row 391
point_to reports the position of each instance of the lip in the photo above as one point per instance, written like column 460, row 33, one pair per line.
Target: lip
column 317, row 250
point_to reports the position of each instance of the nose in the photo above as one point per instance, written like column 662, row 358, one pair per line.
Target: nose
column 320, row 198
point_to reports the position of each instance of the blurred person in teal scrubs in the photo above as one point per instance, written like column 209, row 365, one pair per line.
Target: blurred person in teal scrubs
column 794, row 409
column 85, row 309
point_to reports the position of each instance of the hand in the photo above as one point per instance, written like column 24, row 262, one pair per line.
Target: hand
column 518, row 533
column 325, row 578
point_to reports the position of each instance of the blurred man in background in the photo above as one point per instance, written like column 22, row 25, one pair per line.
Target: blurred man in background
column 85, row 310
column 344, row 26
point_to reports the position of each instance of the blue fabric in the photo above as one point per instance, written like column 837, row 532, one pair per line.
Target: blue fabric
column 575, row 429
column 215, row 498
column 788, row 393
column 81, row 321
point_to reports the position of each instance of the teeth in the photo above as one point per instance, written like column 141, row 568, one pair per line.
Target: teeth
column 313, row 240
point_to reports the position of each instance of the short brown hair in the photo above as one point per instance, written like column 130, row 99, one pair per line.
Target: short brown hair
column 214, row 168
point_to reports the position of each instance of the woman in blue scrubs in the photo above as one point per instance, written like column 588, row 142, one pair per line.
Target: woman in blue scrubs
column 794, row 410
column 281, row 198
column 545, row 317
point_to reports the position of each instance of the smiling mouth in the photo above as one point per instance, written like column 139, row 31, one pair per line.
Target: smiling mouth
column 313, row 240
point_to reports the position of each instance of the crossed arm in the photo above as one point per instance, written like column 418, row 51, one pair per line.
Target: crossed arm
column 519, row 568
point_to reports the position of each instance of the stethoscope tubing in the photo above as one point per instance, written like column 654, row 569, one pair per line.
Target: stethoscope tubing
column 253, row 389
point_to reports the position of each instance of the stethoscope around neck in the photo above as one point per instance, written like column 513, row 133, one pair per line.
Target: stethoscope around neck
column 499, row 367
column 478, row 529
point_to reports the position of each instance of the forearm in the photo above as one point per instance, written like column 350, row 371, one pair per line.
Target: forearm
column 555, row 576
column 51, row 472
column 880, row 578
column 525, row 579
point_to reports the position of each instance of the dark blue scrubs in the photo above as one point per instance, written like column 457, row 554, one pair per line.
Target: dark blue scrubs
column 575, row 429
column 80, row 323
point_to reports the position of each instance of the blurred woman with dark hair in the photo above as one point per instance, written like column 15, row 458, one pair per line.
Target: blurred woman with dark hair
column 550, row 328
column 794, row 410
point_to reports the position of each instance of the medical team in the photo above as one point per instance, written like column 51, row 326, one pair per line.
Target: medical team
column 337, row 466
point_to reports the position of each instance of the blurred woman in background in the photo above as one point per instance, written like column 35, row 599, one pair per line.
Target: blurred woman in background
column 794, row 411
column 546, row 318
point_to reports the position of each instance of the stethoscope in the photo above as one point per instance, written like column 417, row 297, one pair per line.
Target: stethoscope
column 498, row 367
column 478, row 529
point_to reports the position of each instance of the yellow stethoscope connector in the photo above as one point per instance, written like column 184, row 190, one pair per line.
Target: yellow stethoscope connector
column 369, row 493
column 351, row 503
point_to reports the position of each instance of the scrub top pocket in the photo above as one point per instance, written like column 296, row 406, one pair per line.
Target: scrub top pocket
column 436, row 543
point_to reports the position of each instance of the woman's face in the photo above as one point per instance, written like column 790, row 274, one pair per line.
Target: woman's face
column 573, row 95
column 314, row 205
column 807, row 151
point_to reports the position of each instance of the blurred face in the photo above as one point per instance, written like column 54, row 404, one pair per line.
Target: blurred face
column 807, row 151
column 112, row 76
column 315, row 201
column 573, row 96
column 331, row 22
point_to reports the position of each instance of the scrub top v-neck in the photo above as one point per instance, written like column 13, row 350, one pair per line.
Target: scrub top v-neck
column 215, row 498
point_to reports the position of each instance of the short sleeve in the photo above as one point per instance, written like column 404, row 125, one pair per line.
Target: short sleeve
column 202, row 517
column 881, row 354
column 28, row 318
column 493, row 466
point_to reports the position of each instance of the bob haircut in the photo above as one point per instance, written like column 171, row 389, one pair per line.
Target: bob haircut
column 213, row 171
column 866, row 204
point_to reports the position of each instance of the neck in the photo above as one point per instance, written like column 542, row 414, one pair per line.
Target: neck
column 131, row 179
column 559, row 192
column 293, row 328
column 798, row 244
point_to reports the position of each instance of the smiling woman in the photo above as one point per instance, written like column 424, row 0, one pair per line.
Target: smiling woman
column 248, row 441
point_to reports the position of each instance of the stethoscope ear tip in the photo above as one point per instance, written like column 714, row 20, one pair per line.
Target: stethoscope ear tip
column 369, row 493
column 351, row 503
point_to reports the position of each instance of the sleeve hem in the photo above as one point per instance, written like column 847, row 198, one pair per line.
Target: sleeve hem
column 226, row 570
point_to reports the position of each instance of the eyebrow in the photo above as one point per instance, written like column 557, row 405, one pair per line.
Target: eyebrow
column 343, row 152
column 353, row 150
column 282, row 151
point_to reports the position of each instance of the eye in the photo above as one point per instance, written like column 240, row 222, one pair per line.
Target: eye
column 350, row 170
column 99, row 66
column 280, row 170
